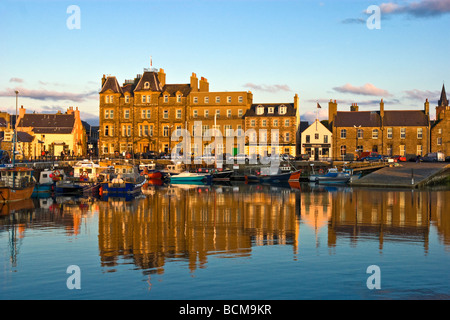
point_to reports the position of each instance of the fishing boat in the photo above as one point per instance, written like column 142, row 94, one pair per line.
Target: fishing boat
column 172, row 170
column 189, row 177
column 125, row 179
column 46, row 182
column 86, row 178
column 16, row 183
column 278, row 177
column 217, row 174
column 149, row 171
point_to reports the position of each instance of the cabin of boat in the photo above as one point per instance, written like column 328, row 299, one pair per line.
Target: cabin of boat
column 87, row 170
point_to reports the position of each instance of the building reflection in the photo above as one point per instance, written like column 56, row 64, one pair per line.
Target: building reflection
column 189, row 223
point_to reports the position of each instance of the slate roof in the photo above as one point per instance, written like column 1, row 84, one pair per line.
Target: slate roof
column 172, row 89
column 48, row 123
column 443, row 101
column 111, row 83
column 21, row 136
column 392, row 118
column 3, row 123
column 290, row 111
column 152, row 78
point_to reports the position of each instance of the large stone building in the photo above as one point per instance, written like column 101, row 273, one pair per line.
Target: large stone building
column 440, row 138
column 142, row 114
column 387, row 132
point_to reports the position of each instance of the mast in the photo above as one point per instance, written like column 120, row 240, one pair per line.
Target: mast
column 15, row 132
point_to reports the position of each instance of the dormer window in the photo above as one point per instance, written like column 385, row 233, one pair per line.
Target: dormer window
column 147, row 85
column 166, row 98
column 270, row 110
column 260, row 110
column 282, row 110
column 127, row 99
column 179, row 98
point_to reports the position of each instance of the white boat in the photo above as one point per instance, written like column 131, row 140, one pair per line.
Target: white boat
column 333, row 176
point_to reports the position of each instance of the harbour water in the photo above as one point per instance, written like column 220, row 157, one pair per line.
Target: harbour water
column 238, row 241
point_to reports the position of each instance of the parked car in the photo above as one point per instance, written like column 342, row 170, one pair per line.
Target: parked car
column 373, row 157
column 149, row 155
column 399, row 158
column 302, row 157
column 433, row 157
column 286, row 157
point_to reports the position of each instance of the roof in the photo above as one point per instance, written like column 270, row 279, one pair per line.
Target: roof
column 3, row 122
column 128, row 88
column 172, row 89
column 48, row 123
column 443, row 101
column 290, row 111
column 21, row 136
column 393, row 118
column 112, row 84
column 152, row 79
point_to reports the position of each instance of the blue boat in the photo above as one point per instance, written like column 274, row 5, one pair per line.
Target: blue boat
column 46, row 182
column 125, row 180
column 188, row 177
column 333, row 176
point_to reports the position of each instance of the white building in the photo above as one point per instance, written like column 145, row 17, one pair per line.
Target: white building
column 316, row 141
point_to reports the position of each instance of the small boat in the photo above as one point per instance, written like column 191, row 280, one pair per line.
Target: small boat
column 149, row 171
column 279, row 177
column 47, row 181
column 173, row 169
column 333, row 176
column 217, row 174
column 187, row 177
column 125, row 179
column 16, row 183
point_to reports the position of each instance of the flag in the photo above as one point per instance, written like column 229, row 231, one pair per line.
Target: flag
column 318, row 106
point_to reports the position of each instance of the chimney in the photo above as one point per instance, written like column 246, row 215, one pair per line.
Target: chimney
column 103, row 80
column 354, row 107
column 427, row 107
column 382, row 108
column 194, row 82
column 332, row 111
column 204, row 85
column 162, row 77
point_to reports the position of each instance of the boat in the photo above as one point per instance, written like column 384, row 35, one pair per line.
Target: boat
column 217, row 174
column 189, row 177
column 333, row 176
column 124, row 180
column 86, row 178
column 172, row 170
column 47, row 181
column 16, row 183
column 279, row 177
column 149, row 171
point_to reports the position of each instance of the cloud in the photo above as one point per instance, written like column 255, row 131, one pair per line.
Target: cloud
column 367, row 90
column 268, row 88
column 421, row 8
column 354, row 21
column 18, row 80
column 416, row 94
column 50, row 95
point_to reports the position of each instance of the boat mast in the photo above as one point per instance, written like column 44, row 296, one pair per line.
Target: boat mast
column 15, row 132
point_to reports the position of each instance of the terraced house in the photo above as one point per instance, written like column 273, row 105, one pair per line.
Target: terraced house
column 387, row 132
column 142, row 114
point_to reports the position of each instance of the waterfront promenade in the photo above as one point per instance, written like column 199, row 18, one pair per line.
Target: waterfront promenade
column 406, row 175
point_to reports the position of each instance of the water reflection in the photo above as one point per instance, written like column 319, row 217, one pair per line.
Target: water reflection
column 191, row 223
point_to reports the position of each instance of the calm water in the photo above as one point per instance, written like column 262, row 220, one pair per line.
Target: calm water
column 230, row 242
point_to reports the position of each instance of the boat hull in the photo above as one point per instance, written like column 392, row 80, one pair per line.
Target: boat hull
column 110, row 188
column 8, row 194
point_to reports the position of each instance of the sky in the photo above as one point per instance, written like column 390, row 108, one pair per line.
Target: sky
column 56, row 56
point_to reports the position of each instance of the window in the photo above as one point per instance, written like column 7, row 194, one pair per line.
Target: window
column 316, row 136
column 106, row 114
column 287, row 137
column 111, row 114
column 275, row 123
column 148, row 114
column 140, row 130
column 217, row 99
column 126, row 113
column 150, row 132
column 439, row 131
column 228, row 99
column 147, row 85
column 229, row 113
column 228, row 130
column 402, row 150
column 148, row 99
column 325, row 139
column 166, row 114
column 343, row 150
column 252, row 123
column 217, row 113
column 195, row 113
column 375, row 134
column 178, row 114
column 127, row 99
column 126, row 130
column 419, row 150
column 264, row 123
column 240, row 113
column 343, row 134
column 439, row 141
column 205, row 130
column 283, row 110
column 165, row 131
column 263, row 136
column 206, row 99
column 240, row 99
column 286, row 123
column 389, row 133
column 270, row 110
column 308, row 138
column 260, row 110
column 195, row 99
column 206, row 113
column 274, row 136
column 419, row 133
column 144, row 99
column 179, row 98
column 402, row 133
column 106, row 99
column 166, row 98
column 360, row 134
column 111, row 99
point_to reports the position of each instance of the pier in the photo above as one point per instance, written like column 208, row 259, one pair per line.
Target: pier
column 406, row 175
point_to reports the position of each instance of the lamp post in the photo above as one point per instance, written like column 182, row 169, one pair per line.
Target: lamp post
column 15, row 131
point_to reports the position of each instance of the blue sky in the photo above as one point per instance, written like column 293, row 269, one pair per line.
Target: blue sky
column 321, row 50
